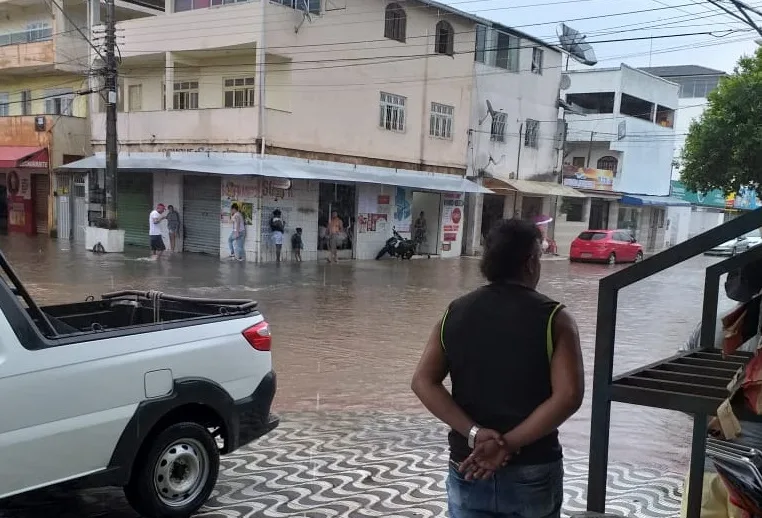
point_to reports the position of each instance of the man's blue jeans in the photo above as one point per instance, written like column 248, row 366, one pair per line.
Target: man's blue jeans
column 535, row 491
column 236, row 244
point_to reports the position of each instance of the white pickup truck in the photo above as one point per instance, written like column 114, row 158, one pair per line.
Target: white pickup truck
column 136, row 390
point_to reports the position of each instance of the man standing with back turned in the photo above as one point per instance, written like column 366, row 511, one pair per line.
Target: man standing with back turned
column 514, row 359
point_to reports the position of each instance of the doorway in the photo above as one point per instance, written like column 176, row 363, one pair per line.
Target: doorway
column 428, row 203
column 492, row 212
column 599, row 214
column 531, row 207
column 342, row 199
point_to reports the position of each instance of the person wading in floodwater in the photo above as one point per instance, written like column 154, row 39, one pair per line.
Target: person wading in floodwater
column 277, row 226
column 514, row 359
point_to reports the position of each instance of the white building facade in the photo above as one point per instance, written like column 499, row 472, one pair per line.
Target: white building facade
column 620, row 148
column 516, row 140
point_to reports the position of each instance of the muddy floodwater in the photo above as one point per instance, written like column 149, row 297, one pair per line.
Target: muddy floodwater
column 348, row 336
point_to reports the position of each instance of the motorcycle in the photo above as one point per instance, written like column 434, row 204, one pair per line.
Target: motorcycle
column 397, row 246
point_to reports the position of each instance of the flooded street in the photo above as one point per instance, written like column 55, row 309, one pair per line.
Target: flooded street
column 347, row 337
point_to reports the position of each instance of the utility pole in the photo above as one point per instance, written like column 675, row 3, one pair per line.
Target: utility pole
column 111, row 103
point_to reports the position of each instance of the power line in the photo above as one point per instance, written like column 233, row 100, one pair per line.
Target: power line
column 192, row 26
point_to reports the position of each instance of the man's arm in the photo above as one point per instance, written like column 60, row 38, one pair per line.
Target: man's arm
column 567, row 378
column 427, row 385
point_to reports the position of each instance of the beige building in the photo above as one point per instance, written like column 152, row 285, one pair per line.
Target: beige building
column 366, row 108
column 44, row 64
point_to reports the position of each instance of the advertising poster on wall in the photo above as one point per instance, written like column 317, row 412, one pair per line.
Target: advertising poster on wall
column 588, row 178
column 452, row 215
column 20, row 208
column 403, row 213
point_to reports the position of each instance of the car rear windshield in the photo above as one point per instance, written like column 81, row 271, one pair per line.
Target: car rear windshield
column 592, row 236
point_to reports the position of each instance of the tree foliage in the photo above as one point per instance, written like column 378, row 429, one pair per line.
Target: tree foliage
column 723, row 148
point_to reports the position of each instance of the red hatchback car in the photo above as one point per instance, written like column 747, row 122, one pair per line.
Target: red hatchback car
column 609, row 246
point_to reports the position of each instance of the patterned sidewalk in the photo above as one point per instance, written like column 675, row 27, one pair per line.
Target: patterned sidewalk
column 361, row 464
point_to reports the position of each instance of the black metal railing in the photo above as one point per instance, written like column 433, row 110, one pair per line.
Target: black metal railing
column 692, row 396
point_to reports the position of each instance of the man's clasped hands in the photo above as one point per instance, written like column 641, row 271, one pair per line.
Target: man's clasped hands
column 491, row 452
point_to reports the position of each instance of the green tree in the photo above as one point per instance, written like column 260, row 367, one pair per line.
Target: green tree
column 723, row 148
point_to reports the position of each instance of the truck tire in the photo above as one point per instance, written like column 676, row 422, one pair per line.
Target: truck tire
column 176, row 472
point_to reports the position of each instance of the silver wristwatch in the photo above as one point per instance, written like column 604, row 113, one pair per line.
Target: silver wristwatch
column 472, row 436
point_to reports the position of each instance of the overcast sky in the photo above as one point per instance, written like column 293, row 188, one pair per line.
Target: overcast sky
column 622, row 19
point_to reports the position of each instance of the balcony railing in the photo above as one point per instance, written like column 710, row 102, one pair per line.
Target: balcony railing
column 693, row 383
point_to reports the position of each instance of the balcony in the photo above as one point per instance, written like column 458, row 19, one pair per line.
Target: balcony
column 204, row 126
column 38, row 54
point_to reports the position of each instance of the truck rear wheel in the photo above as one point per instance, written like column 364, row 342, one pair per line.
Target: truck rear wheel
column 176, row 473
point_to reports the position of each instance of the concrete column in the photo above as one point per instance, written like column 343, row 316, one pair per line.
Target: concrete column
column 586, row 204
column 473, row 230
column 510, row 206
column 169, row 79
column 614, row 215
column 169, row 6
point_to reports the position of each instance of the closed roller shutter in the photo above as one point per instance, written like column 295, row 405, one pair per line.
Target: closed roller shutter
column 201, row 214
column 41, row 192
column 134, row 202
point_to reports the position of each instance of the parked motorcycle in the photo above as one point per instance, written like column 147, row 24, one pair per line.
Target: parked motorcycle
column 397, row 246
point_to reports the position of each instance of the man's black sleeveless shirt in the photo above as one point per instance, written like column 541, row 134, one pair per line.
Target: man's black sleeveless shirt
column 498, row 343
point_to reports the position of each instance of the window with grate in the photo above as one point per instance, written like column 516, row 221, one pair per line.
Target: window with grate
column 185, row 95
column 239, row 92
column 608, row 163
column 537, row 58
column 497, row 132
column 5, row 107
column 532, row 133
column 578, row 162
column 440, row 123
column 395, row 26
column 444, row 39
column 392, row 112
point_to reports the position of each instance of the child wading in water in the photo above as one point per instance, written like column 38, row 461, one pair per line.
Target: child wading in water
column 297, row 244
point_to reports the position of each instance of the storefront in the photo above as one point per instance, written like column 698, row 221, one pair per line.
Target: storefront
column 370, row 202
column 646, row 218
column 26, row 189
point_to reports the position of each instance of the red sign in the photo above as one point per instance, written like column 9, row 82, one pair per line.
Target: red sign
column 384, row 199
column 450, row 237
column 456, row 215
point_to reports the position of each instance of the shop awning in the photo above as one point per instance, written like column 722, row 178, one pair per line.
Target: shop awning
column 23, row 156
column 243, row 164
column 655, row 201
column 532, row 188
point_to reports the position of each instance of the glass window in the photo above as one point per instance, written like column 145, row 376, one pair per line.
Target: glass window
column 185, row 95
column 4, row 105
column 395, row 25
column 239, row 92
column 481, row 44
column 537, row 57
column 507, row 52
column 444, row 39
column 593, row 236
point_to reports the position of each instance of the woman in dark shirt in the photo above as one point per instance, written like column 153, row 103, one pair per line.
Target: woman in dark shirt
column 514, row 359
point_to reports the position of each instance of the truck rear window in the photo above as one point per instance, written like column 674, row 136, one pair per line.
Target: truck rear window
column 592, row 236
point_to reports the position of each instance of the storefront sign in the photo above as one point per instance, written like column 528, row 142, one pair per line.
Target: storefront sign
column 452, row 216
column 247, row 188
column 746, row 199
column 274, row 189
column 587, row 178
column 384, row 199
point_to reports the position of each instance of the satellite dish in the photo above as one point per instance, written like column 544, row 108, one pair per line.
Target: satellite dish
column 490, row 113
column 565, row 81
column 575, row 45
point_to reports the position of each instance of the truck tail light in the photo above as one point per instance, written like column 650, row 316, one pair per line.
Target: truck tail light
column 259, row 336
